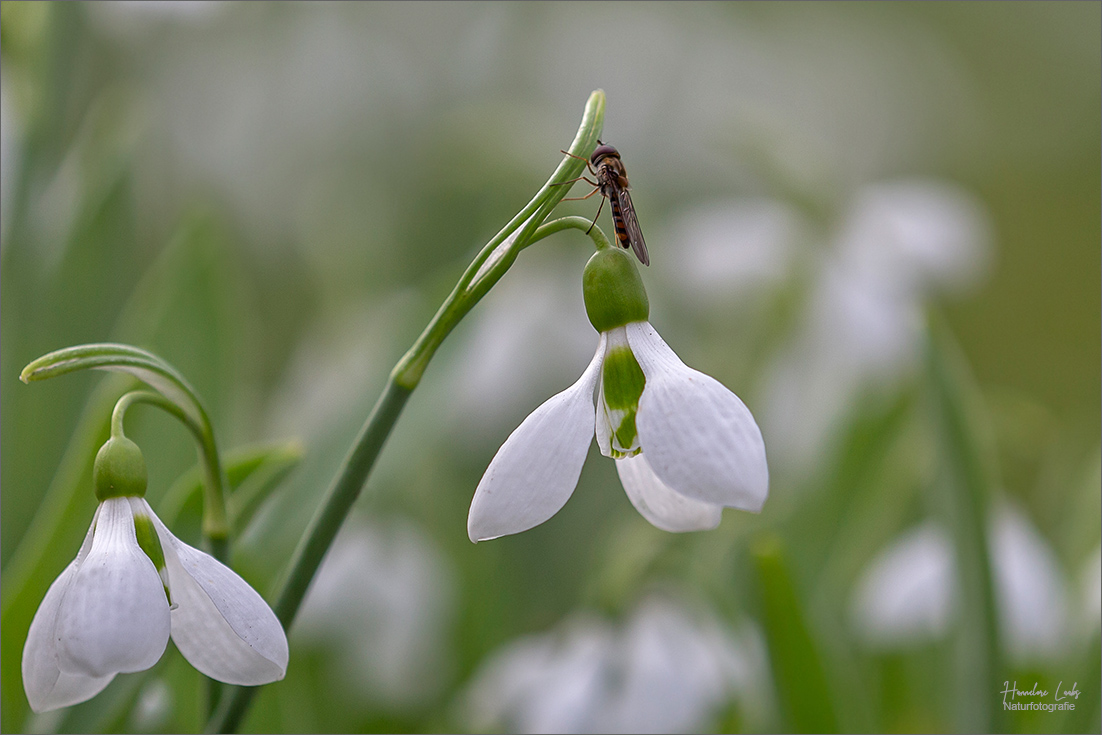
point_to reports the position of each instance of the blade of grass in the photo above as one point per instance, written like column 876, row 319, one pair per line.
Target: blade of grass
column 966, row 481
column 801, row 679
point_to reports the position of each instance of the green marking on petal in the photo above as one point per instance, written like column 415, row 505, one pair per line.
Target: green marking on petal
column 623, row 380
column 622, row 386
column 625, row 434
column 150, row 543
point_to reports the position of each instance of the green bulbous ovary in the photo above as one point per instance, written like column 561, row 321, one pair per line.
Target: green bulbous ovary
column 119, row 470
column 613, row 290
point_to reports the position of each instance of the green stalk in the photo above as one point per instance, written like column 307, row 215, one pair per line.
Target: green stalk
column 214, row 487
column 498, row 255
column 600, row 241
column 966, row 481
column 485, row 270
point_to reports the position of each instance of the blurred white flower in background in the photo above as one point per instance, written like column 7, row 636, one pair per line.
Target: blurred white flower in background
column 380, row 605
column 665, row 669
column 906, row 594
column 868, row 281
column 736, row 249
column 10, row 132
column 909, row 592
column 1090, row 588
column 898, row 245
column 154, row 706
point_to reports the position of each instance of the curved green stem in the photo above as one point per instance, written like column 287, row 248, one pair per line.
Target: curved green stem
column 214, row 486
column 484, row 271
column 573, row 222
column 495, row 258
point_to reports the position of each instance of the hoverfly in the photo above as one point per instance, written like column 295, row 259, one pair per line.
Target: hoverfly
column 612, row 183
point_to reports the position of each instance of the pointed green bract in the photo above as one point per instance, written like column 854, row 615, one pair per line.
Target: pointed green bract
column 119, row 470
column 613, row 290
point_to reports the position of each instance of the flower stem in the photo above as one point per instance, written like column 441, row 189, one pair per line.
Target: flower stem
column 215, row 523
column 495, row 258
column 600, row 241
column 484, row 271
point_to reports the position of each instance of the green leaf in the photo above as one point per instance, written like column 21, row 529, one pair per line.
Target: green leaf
column 252, row 472
column 798, row 670
column 966, row 481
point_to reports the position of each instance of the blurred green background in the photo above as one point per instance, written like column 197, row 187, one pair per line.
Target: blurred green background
column 275, row 197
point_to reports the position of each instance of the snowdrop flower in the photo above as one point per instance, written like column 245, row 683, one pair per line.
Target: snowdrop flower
column 910, row 592
column 379, row 607
column 666, row 668
column 898, row 244
column 132, row 585
column 685, row 446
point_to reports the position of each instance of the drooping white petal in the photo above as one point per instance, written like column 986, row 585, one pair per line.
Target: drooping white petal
column 698, row 437
column 664, row 508
column 221, row 625
column 114, row 616
column 537, row 468
column 602, row 423
column 47, row 687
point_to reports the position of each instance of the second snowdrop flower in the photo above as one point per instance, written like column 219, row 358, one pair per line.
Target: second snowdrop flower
column 131, row 587
column 685, row 446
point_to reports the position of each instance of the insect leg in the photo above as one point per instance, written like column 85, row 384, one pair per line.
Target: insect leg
column 580, row 158
column 594, row 222
column 571, row 181
column 578, row 199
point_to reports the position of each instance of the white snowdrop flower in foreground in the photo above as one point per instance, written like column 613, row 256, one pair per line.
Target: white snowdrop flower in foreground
column 685, row 446
column 132, row 585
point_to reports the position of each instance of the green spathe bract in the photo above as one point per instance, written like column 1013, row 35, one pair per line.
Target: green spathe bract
column 613, row 290
column 119, row 470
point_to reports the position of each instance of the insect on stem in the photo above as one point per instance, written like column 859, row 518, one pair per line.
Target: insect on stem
column 612, row 183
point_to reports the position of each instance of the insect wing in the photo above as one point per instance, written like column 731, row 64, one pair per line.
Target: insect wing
column 631, row 226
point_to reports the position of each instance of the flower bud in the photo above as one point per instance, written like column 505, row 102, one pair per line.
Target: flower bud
column 119, row 470
column 613, row 290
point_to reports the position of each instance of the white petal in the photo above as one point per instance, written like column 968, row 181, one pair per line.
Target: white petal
column 698, row 436
column 602, row 424
column 664, row 508
column 221, row 625
column 908, row 592
column 1030, row 588
column 114, row 616
column 46, row 685
column 537, row 468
